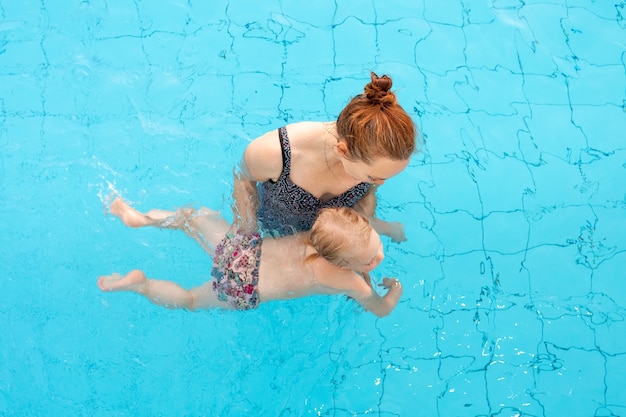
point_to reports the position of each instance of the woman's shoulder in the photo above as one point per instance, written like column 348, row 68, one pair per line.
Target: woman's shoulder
column 306, row 128
column 264, row 155
column 303, row 135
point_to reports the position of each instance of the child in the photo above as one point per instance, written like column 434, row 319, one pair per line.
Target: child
column 334, row 257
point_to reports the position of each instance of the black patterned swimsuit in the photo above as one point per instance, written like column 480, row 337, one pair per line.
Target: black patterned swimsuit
column 286, row 208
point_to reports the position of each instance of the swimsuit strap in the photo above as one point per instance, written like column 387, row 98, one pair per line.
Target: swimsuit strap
column 286, row 150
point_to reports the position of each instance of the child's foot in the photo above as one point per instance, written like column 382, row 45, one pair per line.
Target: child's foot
column 127, row 214
column 115, row 282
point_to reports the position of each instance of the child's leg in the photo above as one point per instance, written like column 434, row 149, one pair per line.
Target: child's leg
column 164, row 293
column 207, row 227
column 133, row 218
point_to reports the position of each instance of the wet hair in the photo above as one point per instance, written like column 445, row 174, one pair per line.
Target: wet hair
column 374, row 125
column 336, row 233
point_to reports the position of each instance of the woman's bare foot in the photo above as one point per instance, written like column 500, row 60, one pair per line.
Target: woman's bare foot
column 133, row 281
column 128, row 215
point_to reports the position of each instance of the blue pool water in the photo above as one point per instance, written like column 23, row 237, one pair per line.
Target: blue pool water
column 515, row 210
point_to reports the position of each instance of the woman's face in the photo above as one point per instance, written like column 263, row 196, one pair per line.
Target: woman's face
column 377, row 172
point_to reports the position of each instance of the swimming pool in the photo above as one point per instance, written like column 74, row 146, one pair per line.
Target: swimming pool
column 514, row 300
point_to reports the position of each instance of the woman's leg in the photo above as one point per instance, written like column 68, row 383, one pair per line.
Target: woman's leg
column 164, row 293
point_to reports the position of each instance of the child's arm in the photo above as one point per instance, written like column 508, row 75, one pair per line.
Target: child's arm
column 371, row 301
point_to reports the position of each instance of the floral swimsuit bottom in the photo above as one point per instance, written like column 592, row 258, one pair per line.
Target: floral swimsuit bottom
column 236, row 270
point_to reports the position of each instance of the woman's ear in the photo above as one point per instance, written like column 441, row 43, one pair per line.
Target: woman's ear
column 342, row 148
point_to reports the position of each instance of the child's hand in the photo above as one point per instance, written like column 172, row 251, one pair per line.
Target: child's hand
column 392, row 284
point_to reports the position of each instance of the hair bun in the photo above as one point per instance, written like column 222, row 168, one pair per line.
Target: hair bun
column 378, row 90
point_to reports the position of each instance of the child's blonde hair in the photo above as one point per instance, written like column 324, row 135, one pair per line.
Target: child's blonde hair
column 335, row 234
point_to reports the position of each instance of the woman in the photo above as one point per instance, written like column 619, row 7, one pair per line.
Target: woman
column 287, row 176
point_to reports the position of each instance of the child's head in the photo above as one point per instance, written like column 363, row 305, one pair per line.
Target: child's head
column 345, row 238
column 373, row 125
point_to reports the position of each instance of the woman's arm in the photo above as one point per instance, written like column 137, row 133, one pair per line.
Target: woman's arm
column 262, row 161
column 367, row 207
column 245, row 196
